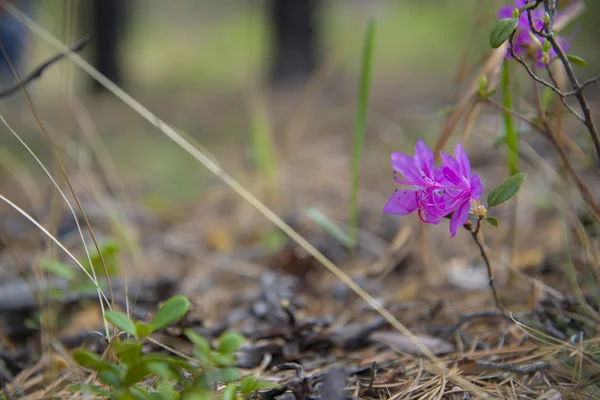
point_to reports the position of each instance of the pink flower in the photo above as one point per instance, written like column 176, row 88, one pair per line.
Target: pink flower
column 434, row 192
column 460, row 186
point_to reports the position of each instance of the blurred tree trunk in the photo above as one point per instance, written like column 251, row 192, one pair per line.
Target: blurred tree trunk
column 108, row 23
column 294, row 39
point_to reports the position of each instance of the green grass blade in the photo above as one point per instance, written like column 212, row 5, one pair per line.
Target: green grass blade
column 360, row 124
column 331, row 228
column 263, row 148
column 512, row 139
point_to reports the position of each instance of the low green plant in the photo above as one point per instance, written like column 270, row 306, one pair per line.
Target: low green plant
column 127, row 373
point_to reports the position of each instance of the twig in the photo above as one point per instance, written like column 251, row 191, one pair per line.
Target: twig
column 547, row 32
column 474, row 234
column 563, row 99
column 36, row 73
column 583, row 188
column 583, row 85
column 532, row 74
column 578, row 92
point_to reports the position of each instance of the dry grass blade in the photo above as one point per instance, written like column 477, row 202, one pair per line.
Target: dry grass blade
column 439, row 367
column 64, row 197
column 56, row 242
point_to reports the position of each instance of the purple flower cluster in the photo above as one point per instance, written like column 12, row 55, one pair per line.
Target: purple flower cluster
column 434, row 192
column 526, row 43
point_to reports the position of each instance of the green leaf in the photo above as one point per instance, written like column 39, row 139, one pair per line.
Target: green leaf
column 506, row 190
column 482, row 85
column 332, row 229
column 164, row 391
column 110, row 252
column 142, row 331
column 162, row 369
column 228, row 374
column 230, row 342
column 121, row 321
column 172, row 311
column 195, row 394
column 136, row 373
column 128, row 352
column 230, row 392
column 201, row 343
column 58, row 269
column 360, row 127
column 222, row 359
column 502, row 31
column 174, row 362
column 87, row 359
column 248, row 385
column 492, row 222
column 88, row 389
column 577, row 60
column 110, row 377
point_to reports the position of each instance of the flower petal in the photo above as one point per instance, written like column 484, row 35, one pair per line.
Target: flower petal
column 406, row 166
column 424, row 160
column 402, row 202
column 460, row 217
column 463, row 160
column 476, row 186
column 451, row 169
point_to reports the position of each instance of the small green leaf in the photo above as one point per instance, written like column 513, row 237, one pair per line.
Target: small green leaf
column 201, row 343
column 121, row 321
column 195, row 394
column 230, row 392
column 87, row 359
column 506, row 190
column 142, row 331
column 230, row 342
column 492, row 222
column 110, row 377
column 162, row 369
column 58, row 269
column 502, row 31
column 577, row 60
column 249, row 385
column 82, row 388
column 173, row 310
column 128, row 352
column 172, row 361
column 222, row 359
column 136, row 373
column 228, row 374
column 482, row 85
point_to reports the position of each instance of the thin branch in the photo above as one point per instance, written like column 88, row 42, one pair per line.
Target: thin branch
column 583, row 85
column 475, row 235
column 564, row 99
column 584, row 190
column 36, row 73
column 577, row 88
column 532, row 74
column 547, row 32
